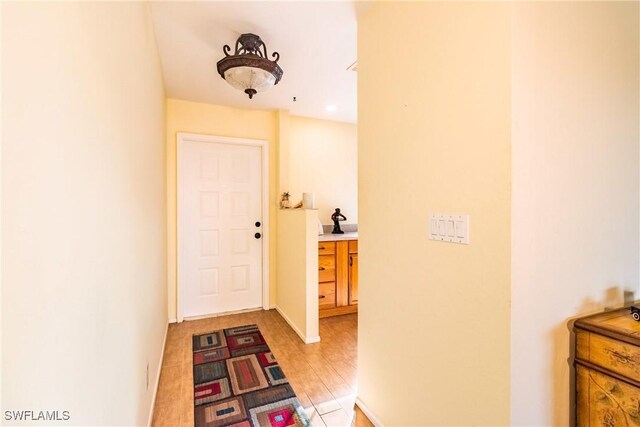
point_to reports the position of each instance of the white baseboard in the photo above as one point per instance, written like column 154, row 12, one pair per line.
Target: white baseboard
column 155, row 389
column 312, row 340
column 304, row 339
column 173, row 320
column 374, row 420
column 272, row 306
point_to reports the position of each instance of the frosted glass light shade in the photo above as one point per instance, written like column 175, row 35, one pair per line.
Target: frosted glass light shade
column 243, row 78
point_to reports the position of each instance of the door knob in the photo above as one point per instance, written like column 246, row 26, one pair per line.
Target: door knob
column 257, row 235
column 258, row 224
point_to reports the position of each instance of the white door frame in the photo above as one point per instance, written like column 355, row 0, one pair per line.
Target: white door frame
column 182, row 139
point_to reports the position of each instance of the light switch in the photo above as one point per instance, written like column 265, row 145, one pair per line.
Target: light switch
column 434, row 227
column 452, row 228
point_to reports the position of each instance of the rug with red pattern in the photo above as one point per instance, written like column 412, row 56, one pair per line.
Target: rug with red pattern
column 238, row 382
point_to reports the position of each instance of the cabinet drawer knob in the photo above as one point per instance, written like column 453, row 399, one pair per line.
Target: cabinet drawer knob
column 320, row 268
column 321, row 247
column 320, row 296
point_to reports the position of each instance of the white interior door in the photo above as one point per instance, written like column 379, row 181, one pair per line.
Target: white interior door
column 219, row 227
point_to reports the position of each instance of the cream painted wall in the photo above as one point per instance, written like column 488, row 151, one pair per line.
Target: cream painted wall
column 83, row 231
column 575, row 205
column 433, row 325
column 298, row 271
column 192, row 117
column 323, row 159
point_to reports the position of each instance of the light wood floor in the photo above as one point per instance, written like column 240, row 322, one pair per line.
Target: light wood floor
column 323, row 375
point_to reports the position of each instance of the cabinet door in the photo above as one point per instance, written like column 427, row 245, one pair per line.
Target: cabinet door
column 342, row 273
column 353, row 279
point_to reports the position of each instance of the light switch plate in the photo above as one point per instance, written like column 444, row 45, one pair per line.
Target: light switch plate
column 452, row 228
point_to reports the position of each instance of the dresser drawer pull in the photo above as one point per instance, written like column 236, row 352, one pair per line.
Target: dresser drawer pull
column 321, row 247
column 320, row 268
column 321, row 296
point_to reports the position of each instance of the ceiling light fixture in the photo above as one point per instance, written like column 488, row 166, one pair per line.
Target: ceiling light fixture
column 248, row 69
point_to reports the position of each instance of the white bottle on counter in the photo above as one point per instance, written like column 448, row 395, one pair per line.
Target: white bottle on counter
column 308, row 201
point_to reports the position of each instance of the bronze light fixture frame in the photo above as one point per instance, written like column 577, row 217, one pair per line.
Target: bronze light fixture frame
column 250, row 52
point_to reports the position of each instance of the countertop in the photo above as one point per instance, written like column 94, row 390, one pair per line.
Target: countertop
column 328, row 237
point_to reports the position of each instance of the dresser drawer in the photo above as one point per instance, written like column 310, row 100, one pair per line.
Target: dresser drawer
column 327, row 295
column 326, row 268
column 326, row 248
column 602, row 400
column 353, row 246
column 616, row 356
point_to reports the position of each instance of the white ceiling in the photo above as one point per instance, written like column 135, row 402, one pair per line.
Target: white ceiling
column 316, row 42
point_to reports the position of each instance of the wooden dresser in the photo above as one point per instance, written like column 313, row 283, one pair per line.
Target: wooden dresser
column 607, row 362
column 337, row 277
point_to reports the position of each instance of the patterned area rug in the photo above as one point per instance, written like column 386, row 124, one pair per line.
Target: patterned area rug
column 238, row 382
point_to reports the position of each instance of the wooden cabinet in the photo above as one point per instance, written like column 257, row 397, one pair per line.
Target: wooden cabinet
column 338, row 277
column 607, row 375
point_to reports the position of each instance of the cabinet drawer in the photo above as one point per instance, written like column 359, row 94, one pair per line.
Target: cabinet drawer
column 353, row 246
column 616, row 356
column 327, row 295
column 326, row 268
column 326, row 262
column 326, row 275
column 326, row 248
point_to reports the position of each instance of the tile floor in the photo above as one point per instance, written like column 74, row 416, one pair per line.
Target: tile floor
column 323, row 375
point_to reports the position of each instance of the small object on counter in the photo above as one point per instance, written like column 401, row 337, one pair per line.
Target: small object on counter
column 320, row 229
column 284, row 200
column 635, row 312
column 308, row 201
column 336, row 217
column 298, row 205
